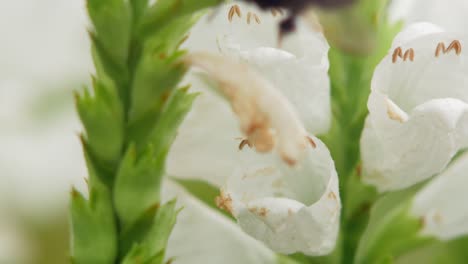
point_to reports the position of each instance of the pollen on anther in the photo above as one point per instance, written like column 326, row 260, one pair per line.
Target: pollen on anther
column 234, row 10
column 397, row 53
column 454, row 45
column 407, row 55
column 224, row 202
column 251, row 15
column 276, row 11
column 243, row 143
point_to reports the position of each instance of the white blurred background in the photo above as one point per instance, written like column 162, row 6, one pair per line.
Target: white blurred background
column 44, row 55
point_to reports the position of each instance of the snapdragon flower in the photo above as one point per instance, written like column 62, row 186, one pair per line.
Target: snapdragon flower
column 277, row 180
column 417, row 123
column 417, row 108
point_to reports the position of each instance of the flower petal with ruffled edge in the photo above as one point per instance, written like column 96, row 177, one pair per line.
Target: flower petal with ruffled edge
column 290, row 209
column 417, row 108
column 441, row 204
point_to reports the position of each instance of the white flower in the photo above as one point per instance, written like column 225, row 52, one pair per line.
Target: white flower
column 291, row 209
column 289, row 201
column 417, row 108
column 442, row 203
column 298, row 70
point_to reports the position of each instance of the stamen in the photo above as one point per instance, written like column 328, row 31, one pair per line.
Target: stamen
column 257, row 19
column 244, row 142
column 398, row 53
column 259, row 211
column 312, row 142
column 250, row 15
column 234, row 10
column 409, row 54
column 454, row 45
column 224, row 202
column 276, row 11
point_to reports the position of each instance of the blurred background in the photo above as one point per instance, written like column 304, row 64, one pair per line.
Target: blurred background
column 44, row 56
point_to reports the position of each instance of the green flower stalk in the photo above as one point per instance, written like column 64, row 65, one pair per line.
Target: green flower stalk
column 130, row 117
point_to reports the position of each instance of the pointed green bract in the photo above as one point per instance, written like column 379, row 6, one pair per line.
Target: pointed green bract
column 112, row 20
column 101, row 113
column 151, row 247
column 137, row 186
column 92, row 222
column 155, row 78
column 168, row 10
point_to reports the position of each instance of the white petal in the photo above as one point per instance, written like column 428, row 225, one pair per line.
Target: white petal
column 304, row 82
column 217, row 25
column 204, row 236
column 417, row 110
column 299, row 67
column 442, row 203
column 399, row 155
column 450, row 14
column 291, row 209
column 207, row 142
column 415, row 31
column 266, row 117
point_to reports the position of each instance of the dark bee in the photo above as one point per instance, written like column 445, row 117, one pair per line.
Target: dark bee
column 295, row 7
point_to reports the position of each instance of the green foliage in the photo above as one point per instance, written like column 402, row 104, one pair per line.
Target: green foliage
column 92, row 222
column 112, row 20
column 391, row 231
column 100, row 113
column 203, row 191
column 131, row 118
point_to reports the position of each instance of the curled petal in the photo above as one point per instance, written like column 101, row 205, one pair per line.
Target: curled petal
column 291, row 209
column 266, row 117
column 412, row 151
column 441, row 204
column 417, row 109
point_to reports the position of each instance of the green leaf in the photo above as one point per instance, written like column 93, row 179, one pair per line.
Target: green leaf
column 137, row 186
column 164, row 222
column 112, row 20
column 164, row 12
column 138, row 9
column 101, row 113
column 152, row 248
column 136, row 233
column 156, row 77
column 92, row 223
column 174, row 113
column 439, row 252
column 392, row 231
column 281, row 259
column 203, row 191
